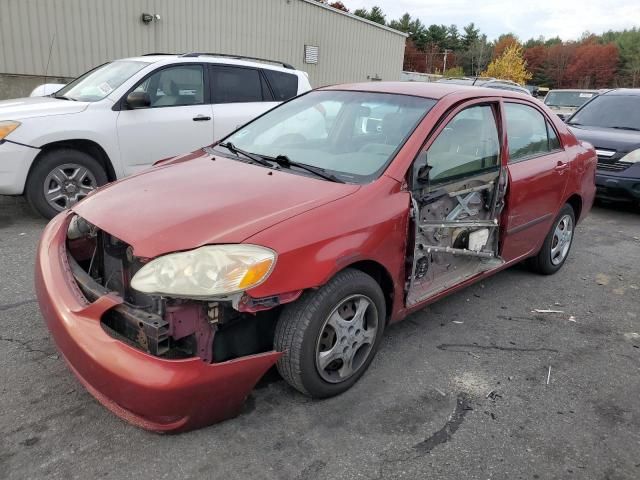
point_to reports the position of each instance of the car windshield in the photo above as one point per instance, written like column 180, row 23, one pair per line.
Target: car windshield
column 352, row 135
column 100, row 82
column 568, row 99
column 610, row 111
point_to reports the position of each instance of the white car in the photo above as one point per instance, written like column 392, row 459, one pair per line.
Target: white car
column 125, row 115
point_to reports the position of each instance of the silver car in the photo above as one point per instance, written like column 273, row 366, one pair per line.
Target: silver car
column 565, row 102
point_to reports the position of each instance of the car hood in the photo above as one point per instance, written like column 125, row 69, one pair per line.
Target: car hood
column 22, row 108
column 562, row 110
column 182, row 205
column 622, row 141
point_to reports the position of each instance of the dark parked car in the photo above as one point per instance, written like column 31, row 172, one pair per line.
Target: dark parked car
column 296, row 241
column 611, row 123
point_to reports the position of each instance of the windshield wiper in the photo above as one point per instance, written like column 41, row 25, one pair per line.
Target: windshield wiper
column 286, row 162
column 627, row 128
column 62, row 97
column 253, row 157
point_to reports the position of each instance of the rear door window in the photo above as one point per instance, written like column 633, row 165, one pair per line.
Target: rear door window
column 284, row 85
column 237, row 85
column 528, row 132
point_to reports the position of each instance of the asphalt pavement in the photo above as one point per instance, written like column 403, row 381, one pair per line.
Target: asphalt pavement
column 476, row 386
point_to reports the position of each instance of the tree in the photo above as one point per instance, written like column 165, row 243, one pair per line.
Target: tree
column 361, row 12
column 376, row 15
column 558, row 58
column 403, row 24
column 476, row 56
column 471, row 34
column 454, row 41
column 536, row 57
column 453, row 72
column 593, row 65
column 339, row 6
column 509, row 66
column 504, row 41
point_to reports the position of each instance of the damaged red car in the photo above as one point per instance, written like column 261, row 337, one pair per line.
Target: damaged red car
column 297, row 239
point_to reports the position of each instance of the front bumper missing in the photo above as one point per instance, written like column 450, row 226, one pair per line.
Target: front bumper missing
column 153, row 393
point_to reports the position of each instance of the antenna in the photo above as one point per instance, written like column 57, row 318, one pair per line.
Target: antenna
column 46, row 70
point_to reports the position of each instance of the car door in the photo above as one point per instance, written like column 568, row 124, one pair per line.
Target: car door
column 538, row 172
column 458, row 183
column 238, row 94
column 177, row 120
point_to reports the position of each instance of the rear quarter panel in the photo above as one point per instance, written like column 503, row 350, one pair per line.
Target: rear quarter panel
column 583, row 175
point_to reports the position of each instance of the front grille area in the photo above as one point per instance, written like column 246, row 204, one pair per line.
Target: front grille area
column 612, row 166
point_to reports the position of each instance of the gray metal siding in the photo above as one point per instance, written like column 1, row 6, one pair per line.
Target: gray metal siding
column 86, row 33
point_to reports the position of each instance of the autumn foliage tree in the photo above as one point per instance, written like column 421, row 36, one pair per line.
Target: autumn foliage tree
column 504, row 41
column 593, row 65
column 509, row 66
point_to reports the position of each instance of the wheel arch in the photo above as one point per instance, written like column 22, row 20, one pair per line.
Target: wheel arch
column 575, row 201
column 381, row 275
column 83, row 145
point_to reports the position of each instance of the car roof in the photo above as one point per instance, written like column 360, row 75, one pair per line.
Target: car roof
column 168, row 58
column 624, row 91
column 433, row 90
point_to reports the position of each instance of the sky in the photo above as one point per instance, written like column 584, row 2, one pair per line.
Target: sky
column 567, row 19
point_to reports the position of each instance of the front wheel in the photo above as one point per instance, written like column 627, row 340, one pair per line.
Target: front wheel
column 556, row 246
column 61, row 178
column 330, row 335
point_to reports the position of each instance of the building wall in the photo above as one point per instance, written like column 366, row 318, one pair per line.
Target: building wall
column 81, row 34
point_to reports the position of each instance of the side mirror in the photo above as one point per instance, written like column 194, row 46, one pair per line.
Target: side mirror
column 138, row 100
column 421, row 171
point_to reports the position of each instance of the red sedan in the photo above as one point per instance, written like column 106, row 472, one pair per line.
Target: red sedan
column 298, row 238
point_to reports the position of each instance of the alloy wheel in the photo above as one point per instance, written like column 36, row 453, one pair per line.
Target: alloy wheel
column 561, row 239
column 67, row 184
column 347, row 338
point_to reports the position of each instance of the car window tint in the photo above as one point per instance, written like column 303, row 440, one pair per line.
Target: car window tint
column 284, row 85
column 468, row 144
column 175, row 86
column 526, row 131
column 236, row 85
column 554, row 141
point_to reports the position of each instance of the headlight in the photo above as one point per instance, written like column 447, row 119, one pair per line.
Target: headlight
column 6, row 127
column 631, row 157
column 206, row 271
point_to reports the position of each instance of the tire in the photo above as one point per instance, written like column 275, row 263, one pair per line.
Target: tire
column 64, row 173
column 550, row 258
column 303, row 328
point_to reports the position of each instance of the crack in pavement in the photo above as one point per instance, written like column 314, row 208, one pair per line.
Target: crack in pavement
column 463, row 406
column 453, row 346
column 9, row 306
column 26, row 346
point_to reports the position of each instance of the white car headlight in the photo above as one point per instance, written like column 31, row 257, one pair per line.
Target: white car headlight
column 631, row 157
column 206, row 271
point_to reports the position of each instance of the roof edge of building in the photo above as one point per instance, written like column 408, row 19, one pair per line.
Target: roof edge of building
column 355, row 17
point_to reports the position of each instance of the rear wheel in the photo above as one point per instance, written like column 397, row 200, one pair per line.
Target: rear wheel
column 556, row 246
column 330, row 335
column 61, row 178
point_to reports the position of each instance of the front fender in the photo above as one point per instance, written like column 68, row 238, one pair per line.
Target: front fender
column 312, row 247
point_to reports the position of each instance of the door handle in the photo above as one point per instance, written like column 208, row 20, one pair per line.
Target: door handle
column 561, row 167
column 201, row 118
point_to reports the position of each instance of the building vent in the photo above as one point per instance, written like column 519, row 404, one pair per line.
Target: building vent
column 311, row 54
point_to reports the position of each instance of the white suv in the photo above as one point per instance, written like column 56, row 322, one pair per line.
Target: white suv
column 125, row 115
